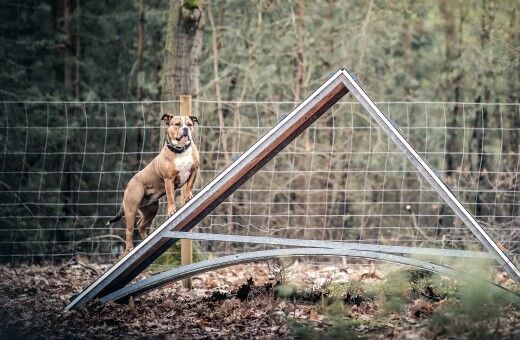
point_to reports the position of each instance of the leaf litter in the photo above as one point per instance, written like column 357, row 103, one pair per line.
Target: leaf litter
column 245, row 301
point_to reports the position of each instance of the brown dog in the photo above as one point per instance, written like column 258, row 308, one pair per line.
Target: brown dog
column 175, row 167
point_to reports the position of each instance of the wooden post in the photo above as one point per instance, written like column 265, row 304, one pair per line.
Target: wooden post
column 186, row 245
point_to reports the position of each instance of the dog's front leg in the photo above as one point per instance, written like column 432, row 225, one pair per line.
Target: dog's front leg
column 187, row 189
column 170, row 195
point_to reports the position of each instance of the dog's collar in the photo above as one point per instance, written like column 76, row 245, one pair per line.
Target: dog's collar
column 176, row 149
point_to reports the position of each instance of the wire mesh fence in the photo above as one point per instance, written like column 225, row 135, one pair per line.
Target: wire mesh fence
column 65, row 165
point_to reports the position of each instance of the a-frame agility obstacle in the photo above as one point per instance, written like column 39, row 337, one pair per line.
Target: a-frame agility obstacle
column 111, row 284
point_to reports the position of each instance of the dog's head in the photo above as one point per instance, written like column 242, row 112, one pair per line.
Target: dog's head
column 180, row 128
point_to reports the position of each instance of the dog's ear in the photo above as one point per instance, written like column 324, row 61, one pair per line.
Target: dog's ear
column 166, row 117
column 194, row 119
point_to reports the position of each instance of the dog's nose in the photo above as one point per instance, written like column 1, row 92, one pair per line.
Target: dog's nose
column 185, row 130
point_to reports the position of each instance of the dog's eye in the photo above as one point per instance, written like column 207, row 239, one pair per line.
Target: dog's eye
column 178, row 124
column 189, row 124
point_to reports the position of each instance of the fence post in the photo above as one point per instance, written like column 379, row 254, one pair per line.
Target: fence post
column 186, row 245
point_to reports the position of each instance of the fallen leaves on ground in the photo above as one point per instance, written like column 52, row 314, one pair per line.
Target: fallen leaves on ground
column 34, row 296
column 238, row 302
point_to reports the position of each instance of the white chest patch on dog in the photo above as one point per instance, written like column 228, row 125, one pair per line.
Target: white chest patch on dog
column 183, row 164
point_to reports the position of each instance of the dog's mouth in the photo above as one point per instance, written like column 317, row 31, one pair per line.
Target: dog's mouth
column 185, row 137
column 181, row 141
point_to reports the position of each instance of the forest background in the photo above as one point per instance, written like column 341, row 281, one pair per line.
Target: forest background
column 237, row 51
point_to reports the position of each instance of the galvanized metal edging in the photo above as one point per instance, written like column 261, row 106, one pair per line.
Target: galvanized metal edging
column 180, row 273
column 328, row 244
column 430, row 176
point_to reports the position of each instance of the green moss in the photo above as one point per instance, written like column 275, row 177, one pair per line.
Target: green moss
column 191, row 4
column 335, row 309
column 396, row 285
column 344, row 329
column 340, row 329
column 431, row 285
column 299, row 294
column 352, row 292
column 285, row 290
column 340, row 289
column 474, row 311
column 392, row 305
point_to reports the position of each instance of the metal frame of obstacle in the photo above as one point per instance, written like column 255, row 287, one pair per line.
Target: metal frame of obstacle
column 176, row 274
column 229, row 180
column 182, row 235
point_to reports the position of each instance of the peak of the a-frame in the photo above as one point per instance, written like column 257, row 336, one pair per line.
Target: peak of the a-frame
column 331, row 74
column 348, row 74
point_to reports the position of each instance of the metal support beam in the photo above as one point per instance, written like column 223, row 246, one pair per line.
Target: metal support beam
column 428, row 173
column 180, row 273
column 328, row 244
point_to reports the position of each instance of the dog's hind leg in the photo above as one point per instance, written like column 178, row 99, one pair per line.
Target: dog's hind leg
column 147, row 215
column 130, row 214
column 131, row 202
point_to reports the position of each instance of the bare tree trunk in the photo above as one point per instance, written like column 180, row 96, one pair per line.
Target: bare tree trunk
column 364, row 26
column 481, row 119
column 182, row 53
column 449, row 37
column 216, row 77
column 452, row 87
column 299, row 63
column 220, row 113
column 512, row 139
column 67, row 65
column 156, row 76
column 76, row 78
column 408, row 24
column 454, row 77
column 67, row 184
column 136, row 67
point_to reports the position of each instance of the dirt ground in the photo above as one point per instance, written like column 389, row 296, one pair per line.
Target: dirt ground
column 316, row 301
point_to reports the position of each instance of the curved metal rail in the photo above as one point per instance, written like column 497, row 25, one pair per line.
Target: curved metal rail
column 183, row 272
column 328, row 244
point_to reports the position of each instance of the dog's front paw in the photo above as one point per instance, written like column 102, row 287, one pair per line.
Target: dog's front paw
column 188, row 196
column 171, row 211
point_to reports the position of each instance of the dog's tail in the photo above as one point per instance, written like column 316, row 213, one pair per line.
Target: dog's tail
column 118, row 216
